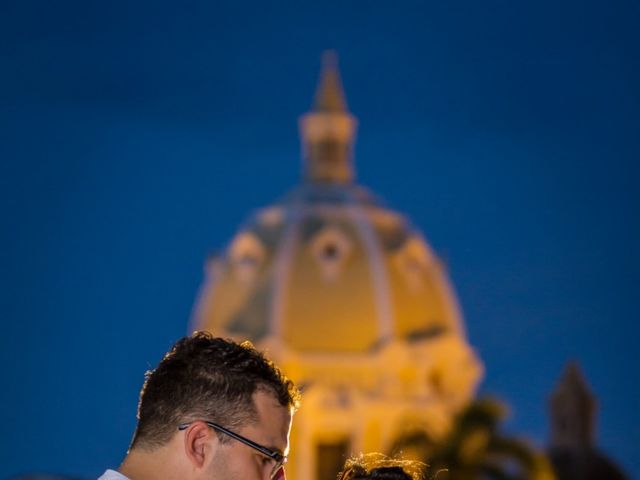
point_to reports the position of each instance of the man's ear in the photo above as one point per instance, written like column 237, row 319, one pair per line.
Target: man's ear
column 198, row 443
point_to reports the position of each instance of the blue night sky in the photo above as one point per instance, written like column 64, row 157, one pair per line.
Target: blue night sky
column 135, row 137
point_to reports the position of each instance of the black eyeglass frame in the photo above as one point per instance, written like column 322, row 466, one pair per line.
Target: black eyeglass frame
column 279, row 458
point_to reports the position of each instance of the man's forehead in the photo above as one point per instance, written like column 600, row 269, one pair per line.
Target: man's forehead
column 274, row 419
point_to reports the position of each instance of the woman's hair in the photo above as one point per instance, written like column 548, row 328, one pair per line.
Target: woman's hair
column 376, row 466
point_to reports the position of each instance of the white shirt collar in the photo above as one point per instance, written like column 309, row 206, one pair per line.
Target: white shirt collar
column 112, row 475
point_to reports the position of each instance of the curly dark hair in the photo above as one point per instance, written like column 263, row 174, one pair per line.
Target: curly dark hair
column 203, row 377
column 376, row 466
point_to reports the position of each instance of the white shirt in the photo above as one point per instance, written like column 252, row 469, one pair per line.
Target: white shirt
column 112, row 475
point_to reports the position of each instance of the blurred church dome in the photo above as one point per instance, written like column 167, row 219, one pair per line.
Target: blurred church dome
column 328, row 267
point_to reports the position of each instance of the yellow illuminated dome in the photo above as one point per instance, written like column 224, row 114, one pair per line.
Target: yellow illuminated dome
column 328, row 268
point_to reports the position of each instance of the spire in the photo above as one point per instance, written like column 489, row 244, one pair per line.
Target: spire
column 329, row 95
column 328, row 131
column 572, row 407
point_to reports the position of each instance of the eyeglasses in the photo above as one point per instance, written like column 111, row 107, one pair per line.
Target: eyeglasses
column 277, row 457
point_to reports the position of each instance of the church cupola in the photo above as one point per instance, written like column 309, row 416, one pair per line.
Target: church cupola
column 328, row 131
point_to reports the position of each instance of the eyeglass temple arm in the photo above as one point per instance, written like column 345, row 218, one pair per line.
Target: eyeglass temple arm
column 269, row 453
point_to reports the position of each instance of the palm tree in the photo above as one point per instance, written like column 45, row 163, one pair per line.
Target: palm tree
column 475, row 449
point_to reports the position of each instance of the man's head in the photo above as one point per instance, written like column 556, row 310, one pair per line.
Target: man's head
column 376, row 466
column 205, row 399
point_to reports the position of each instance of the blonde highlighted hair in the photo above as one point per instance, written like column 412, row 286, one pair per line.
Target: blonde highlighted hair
column 377, row 466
